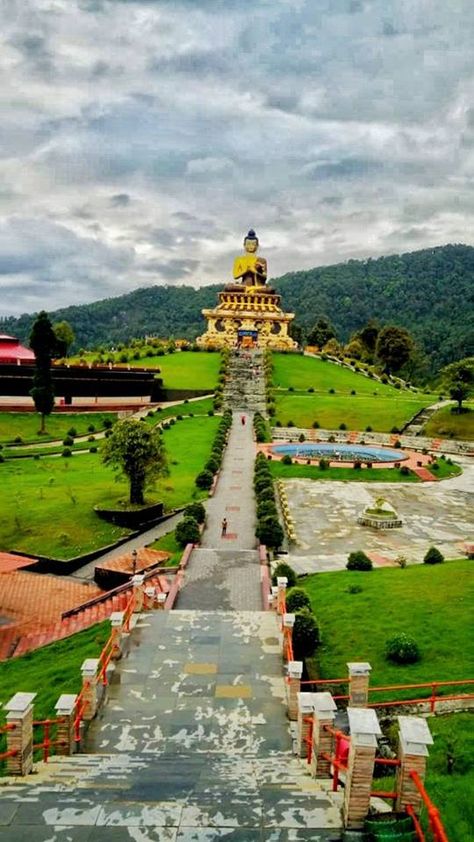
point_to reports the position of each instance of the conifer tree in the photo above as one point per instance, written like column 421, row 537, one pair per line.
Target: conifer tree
column 43, row 343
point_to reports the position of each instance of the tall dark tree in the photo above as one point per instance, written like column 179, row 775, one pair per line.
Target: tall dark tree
column 138, row 452
column 394, row 347
column 368, row 335
column 296, row 332
column 459, row 380
column 321, row 333
column 43, row 343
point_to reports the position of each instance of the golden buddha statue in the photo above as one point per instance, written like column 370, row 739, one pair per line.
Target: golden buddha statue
column 252, row 270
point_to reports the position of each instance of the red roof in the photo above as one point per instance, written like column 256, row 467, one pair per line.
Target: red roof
column 11, row 350
column 10, row 562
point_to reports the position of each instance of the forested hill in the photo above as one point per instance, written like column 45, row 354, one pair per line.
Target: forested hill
column 431, row 292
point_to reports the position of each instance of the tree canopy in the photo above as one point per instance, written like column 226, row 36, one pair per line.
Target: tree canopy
column 137, row 452
column 458, row 378
column 394, row 347
column 64, row 337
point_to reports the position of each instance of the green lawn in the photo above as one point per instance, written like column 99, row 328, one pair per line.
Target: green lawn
column 303, row 373
column 47, row 504
column 170, row 545
column 200, row 407
column 186, row 369
column 434, row 604
column 26, row 425
column 447, row 424
column 356, row 412
column 364, row 475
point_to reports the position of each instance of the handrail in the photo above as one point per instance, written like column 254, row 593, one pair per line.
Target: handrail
column 47, row 742
column 436, row 825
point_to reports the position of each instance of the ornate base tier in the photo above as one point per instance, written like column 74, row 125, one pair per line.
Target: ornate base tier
column 249, row 317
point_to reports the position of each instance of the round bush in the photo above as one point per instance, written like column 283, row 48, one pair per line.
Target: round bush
column 72, row 432
column 90, row 438
column 187, row 531
column 108, row 423
column 197, row 511
column 305, row 634
column 212, row 465
column 358, row 561
column 284, row 569
column 286, row 460
column 266, row 494
column 343, row 426
column 93, row 449
column 91, row 428
column 68, row 441
column 316, row 425
column 262, row 482
column 433, row 556
column 296, row 599
column 402, row 649
column 269, row 532
column 204, row 480
column 266, row 508
column 67, row 452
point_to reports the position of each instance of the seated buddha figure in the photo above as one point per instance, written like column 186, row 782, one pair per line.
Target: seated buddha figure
column 252, row 270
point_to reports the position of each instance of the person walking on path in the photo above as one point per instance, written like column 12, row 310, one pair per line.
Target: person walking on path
column 224, row 527
column 242, row 418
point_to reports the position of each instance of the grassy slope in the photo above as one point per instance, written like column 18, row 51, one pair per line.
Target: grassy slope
column 432, row 603
column 47, row 505
column 186, row 369
column 26, row 425
column 304, row 372
column 364, row 475
column 170, row 545
column 445, row 423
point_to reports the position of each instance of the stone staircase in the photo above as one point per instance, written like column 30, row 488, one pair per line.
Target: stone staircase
column 245, row 385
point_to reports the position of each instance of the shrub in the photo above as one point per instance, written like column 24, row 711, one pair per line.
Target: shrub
column 405, row 470
column 296, row 599
column 266, row 508
column 395, row 430
column 343, row 426
column 197, row 511
column 269, row 532
column 291, row 388
column 316, row 425
column 2, row 458
column 324, row 464
column 210, row 412
column 332, row 438
column 433, row 556
column 301, row 437
column 187, row 531
column 179, row 417
column 305, row 634
column 353, row 392
column 72, row 432
column 93, row 449
column 91, row 428
column 310, row 390
column 286, row 460
column 332, row 391
column 290, row 423
column 278, row 424
column 401, row 560
column 261, row 483
column 90, row 438
column 266, row 494
column 357, row 465
column 358, row 561
column 284, row 569
column 108, row 423
column 67, row 452
column 402, row 649
column 354, row 589
column 369, row 464
column 108, row 433
column 68, row 441
column 204, row 480
column 368, row 429
column 397, row 444
column 212, row 465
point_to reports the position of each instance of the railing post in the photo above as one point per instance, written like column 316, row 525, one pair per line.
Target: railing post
column 414, row 737
column 305, row 711
column 323, row 741
column 288, row 623
column 274, row 597
column 116, row 620
column 150, row 598
column 20, row 739
column 295, row 671
column 160, row 601
column 89, row 687
column 364, row 729
column 359, row 674
column 65, row 709
column 138, row 592
column 282, row 583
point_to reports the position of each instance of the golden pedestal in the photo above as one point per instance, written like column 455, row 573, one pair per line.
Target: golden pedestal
column 247, row 316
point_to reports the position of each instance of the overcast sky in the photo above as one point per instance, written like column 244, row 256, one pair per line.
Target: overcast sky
column 140, row 140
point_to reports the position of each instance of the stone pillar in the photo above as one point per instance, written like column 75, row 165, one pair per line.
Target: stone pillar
column 20, row 739
column 288, row 623
column 150, row 598
column 275, row 597
column 295, row 671
column 89, row 687
column 359, row 674
column 324, row 712
column 161, row 600
column 364, row 728
column 138, row 592
column 305, row 711
column 282, row 583
column 414, row 738
column 65, row 709
column 116, row 619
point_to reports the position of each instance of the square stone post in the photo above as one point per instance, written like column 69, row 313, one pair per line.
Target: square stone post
column 138, row 592
column 282, row 583
column 275, row 597
column 305, row 711
column 116, row 620
column 414, row 737
column 364, row 729
column 150, row 598
column 89, row 687
column 65, row 709
column 295, row 671
column 288, row 623
column 161, row 600
column 359, row 674
column 324, row 712
column 20, row 739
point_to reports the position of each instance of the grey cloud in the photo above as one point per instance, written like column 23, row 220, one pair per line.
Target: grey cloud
column 172, row 270
column 120, row 200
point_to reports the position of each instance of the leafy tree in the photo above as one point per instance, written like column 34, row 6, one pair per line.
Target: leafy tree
column 394, row 347
column 305, row 634
column 284, row 569
column 321, row 333
column 332, row 347
column 355, row 349
column 269, row 532
column 136, row 451
column 296, row 599
column 358, row 560
column 43, row 343
column 64, row 337
column 458, row 378
column 296, row 332
column 433, row 556
column 368, row 335
column 187, row 531
column 197, row 511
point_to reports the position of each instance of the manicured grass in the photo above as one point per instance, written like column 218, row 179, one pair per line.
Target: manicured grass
column 434, row 604
column 187, row 369
column 279, row 470
column 303, row 373
column 445, row 469
column 47, row 504
column 356, row 412
column 447, row 424
column 27, row 424
column 170, row 545
column 200, row 407
column 51, row 670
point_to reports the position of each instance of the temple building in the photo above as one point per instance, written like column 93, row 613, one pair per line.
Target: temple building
column 248, row 313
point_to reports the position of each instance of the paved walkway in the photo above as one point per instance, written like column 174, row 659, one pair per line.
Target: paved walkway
column 193, row 746
column 224, row 573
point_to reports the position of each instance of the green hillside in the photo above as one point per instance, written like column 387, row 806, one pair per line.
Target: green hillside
column 429, row 291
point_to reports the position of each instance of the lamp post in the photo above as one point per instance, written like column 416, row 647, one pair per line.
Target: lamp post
column 134, row 561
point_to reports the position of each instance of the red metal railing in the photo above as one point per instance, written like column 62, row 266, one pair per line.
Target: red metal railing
column 434, row 819
column 335, row 759
column 4, row 755
column 432, row 699
column 47, row 742
column 79, row 709
column 309, row 721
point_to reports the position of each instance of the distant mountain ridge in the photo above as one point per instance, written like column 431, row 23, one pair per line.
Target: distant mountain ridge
column 431, row 292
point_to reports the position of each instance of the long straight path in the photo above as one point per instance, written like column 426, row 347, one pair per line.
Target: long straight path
column 224, row 572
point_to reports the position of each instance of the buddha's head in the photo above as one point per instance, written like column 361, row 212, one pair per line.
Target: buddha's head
column 251, row 242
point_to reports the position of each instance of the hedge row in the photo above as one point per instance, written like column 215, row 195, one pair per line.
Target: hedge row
column 306, row 637
column 268, row 530
column 205, row 477
column 219, row 392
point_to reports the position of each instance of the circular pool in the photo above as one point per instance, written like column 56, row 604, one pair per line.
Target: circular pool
column 339, row 452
